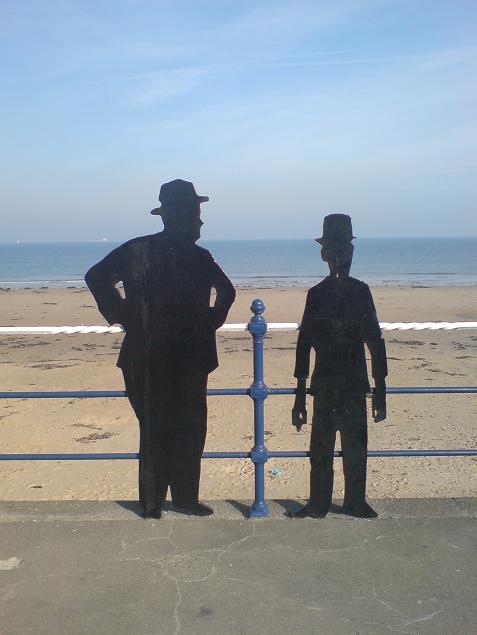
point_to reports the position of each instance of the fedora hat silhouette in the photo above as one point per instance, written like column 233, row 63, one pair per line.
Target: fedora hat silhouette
column 176, row 193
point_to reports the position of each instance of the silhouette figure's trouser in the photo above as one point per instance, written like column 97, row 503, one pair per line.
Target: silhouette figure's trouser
column 346, row 413
column 172, row 413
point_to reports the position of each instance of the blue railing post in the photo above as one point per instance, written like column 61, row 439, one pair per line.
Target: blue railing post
column 258, row 392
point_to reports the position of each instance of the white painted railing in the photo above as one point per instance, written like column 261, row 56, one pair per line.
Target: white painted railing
column 273, row 326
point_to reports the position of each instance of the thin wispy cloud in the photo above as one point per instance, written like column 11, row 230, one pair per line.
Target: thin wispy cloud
column 148, row 88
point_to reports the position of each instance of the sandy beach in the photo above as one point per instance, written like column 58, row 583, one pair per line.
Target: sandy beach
column 75, row 362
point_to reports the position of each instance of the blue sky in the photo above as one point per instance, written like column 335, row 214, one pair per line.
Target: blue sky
column 280, row 111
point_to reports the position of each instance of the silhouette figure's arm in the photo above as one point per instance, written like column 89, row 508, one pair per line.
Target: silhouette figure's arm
column 377, row 348
column 102, row 279
column 225, row 294
column 302, row 365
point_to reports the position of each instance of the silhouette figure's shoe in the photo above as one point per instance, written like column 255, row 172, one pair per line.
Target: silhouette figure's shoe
column 152, row 513
column 308, row 512
column 363, row 510
column 199, row 509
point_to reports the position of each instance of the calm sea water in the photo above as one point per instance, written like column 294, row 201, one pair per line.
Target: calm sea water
column 377, row 261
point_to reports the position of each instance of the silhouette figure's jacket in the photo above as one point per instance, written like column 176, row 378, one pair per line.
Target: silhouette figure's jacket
column 339, row 318
column 166, row 314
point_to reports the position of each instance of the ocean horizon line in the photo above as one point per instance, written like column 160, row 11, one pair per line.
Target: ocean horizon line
column 231, row 240
column 293, row 262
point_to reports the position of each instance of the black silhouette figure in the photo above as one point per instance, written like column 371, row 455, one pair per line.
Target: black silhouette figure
column 339, row 319
column 169, row 347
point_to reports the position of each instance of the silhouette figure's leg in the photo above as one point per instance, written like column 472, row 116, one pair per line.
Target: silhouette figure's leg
column 354, row 442
column 152, row 477
column 159, row 444
column 185, row 471
column 188, row 443
column 322, row 445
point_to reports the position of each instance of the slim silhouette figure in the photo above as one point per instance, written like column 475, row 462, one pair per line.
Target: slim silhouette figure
column 339, row 319
column 169, row 347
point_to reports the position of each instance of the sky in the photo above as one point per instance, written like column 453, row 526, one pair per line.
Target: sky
column 279, row 111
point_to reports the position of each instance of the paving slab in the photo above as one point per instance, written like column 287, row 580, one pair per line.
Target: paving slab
column 91, row 567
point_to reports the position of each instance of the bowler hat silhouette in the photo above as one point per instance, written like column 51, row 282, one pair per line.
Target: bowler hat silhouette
column 175, row 193
column 336, row 229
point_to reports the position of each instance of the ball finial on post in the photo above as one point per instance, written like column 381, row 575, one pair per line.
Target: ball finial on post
column 257, row 325
column 258, row 307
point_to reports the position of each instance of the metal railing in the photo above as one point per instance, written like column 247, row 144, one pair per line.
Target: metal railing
column 258, row 392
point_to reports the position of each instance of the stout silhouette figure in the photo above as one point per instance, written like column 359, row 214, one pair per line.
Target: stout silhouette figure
column 339, row 319
column 169, row 347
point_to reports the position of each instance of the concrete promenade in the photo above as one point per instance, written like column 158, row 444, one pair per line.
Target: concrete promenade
column 96, row 568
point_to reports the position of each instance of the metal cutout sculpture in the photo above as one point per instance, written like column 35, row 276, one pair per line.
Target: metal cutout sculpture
column 339, row 318
column 169, row 348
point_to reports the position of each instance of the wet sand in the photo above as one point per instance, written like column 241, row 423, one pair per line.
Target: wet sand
column 87, row 362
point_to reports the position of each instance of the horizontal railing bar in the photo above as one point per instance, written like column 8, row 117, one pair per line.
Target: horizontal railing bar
column 102, row 456
column 400, row 390
column 99, row 456
column 226, row 455
column 105, row 394
column 380, row 453
column 228, row 391
column 63, row 394
column 100, row 394
column 429, row 390
column 292, row 454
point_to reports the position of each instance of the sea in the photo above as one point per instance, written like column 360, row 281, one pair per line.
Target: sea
column 417, row 262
